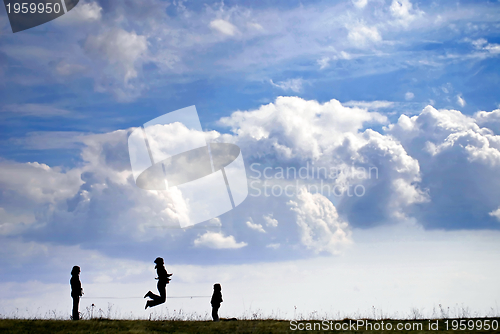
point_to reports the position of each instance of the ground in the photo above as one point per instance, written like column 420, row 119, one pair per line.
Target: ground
column 249, row 326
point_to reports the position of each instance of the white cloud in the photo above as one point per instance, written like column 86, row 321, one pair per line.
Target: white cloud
column 256, row 227
column 410, row 159
column 88, row 11
column 403, row 11
column 255, row 26
column 294, row 85
column 495, row 213
column 482, row 44
column 215, row 222
column 218, row 241
column 479, row 43
column 67, row 203
column 452, row 149
column 493, row 48
column 432, row 124
column 295, row 131
column 323, row 62
column 83, row 13
column 295, row 127
column 123, row 53
column 343, row 55
column 409, row 96
column 30, row 190
column 224, row 27
column 270, row 221
column 361, row 35
column 373, row 105
column 39, row 183
column 119, row 47
column 360, row 3
column 321, row 228
column 490, row 120
column 460, row 100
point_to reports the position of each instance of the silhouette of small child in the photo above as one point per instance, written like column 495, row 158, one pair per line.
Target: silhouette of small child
column 163, row 279
column 215, row 301
column 76, row 290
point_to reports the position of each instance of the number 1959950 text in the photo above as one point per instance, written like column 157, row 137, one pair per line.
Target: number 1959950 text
column 32, row 8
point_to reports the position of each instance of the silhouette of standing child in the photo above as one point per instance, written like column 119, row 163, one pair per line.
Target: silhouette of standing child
column 76, row 290
column 215, row 301
column 163, row 279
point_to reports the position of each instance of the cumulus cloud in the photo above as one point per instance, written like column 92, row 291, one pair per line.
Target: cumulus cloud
column 293, row 127
column 38, row 183
column 102, row 196
column 218, row 241
column 224, row 27
column 215, row 221
column 403, row 11
column 437, row 168
column 99, row 194
column 490, row 120
column 360, row 3
column 458, row 160
column 28, row 191
column 361, row 35
column 85, row 12
column 495, row 213
column 320, row 227
column 295, row 132
column 270, row 221
column 256, row 227
column 482, row 44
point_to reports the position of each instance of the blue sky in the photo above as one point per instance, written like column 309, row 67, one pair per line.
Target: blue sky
column 407, row 87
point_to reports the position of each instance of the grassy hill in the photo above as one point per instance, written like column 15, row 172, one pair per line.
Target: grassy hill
column 251, row 326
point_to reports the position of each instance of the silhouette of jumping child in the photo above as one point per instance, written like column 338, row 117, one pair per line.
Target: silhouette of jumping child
column 215, row 301
column 76, row 290
column 163, row 279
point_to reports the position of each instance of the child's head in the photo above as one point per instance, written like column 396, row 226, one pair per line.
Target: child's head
column 217, row 287
column 75, row 271
column 159, row 262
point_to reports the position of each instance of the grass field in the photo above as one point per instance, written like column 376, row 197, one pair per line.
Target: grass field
column 251, row 326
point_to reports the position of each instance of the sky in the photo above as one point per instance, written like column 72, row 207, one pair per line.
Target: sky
column 369, row 129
